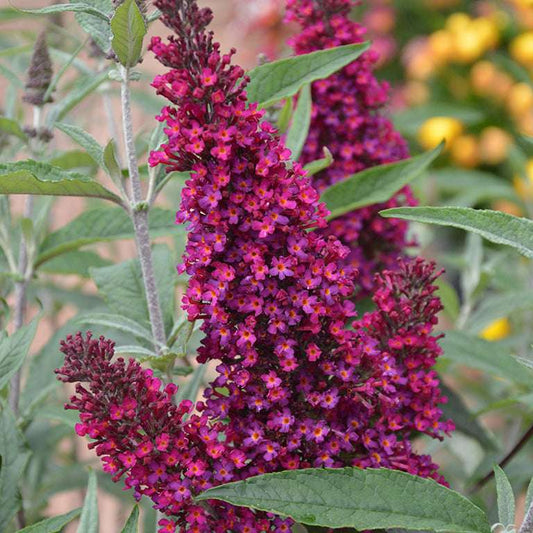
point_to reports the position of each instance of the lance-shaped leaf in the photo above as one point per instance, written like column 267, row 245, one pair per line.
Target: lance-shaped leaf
column 301, row 120
column 463, row 419
column 506, row 501
column 52, row 525
column 314, row 167
column 13, row 459
column 498, row 306
column 123, row 290
column 375, row 185
column 101, row 225
column 12, row 127
column 77, row 263
column 85, row 140
column 356, row 498
column 132, row 525
column 118, row 322
column 284, row 78
column 13, row 351
column 128, row 29
column 494, row 226
column 33, row 177
column 490, row 357
column 84, row 88
column 60, row 8
column 89, row 514
column 96, row 27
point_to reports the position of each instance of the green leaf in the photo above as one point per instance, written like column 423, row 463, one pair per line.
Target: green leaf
column 528, row 363
column 128, row 28
column 301, row 120
column 52, row 525
column 118, row 322
column 85, row 140
column 314, row 167
column 498, row 306
column 89, row 513
column 471, row 187
column 490, row 357
column 86, row 86
column 529, row 495
column 132, row 525
column 284, row 116
column 60, row 8
column 355, row 498
column 12, row 127
column 110, row 162
column 122, row 287
column 164, row 177
column 494, row 226
column 13, row 351
column 449, row 298
column 284, row 78
column 58, row 414
column 13, row 459
column 408, row 122
column 154, row 15
column 11, row 76
column 76, row 262
column 96, row 27
column 471, row 273
column 102, row 225
column 135, row 351
column 16, row 50
column 9, row 13
column 59, row 74
column 375, row 185
column 506, row 502
column 464, row 420
column 41, row 378
column 73, row 159
column 33, row 177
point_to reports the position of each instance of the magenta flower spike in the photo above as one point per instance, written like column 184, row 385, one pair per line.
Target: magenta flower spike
column 348, row 118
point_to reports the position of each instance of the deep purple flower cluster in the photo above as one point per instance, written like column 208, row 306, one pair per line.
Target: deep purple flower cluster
column 347, row 119
column 294, row 387
column 139, row 433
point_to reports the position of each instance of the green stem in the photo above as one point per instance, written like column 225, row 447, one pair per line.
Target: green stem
column 139, row 216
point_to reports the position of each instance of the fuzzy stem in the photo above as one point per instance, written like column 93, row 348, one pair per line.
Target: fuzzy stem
column 139, row 216
column 20, row 304
column 527, row 525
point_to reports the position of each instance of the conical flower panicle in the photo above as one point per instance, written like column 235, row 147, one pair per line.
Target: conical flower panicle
column 348, row 119
column 39, row 74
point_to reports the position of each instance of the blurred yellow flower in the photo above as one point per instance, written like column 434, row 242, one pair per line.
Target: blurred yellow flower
column 441, row 45
column 497, row 330
column 523, row 185
column 505, row 206
column 521, row 49
column 520, row 99
column 458, row 22
column 464, row 151
column 436, row 129
column 482, row 77
column 494, row 144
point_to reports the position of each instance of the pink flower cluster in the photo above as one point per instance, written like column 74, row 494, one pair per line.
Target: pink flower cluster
column 347, row 119
column 294, row 387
